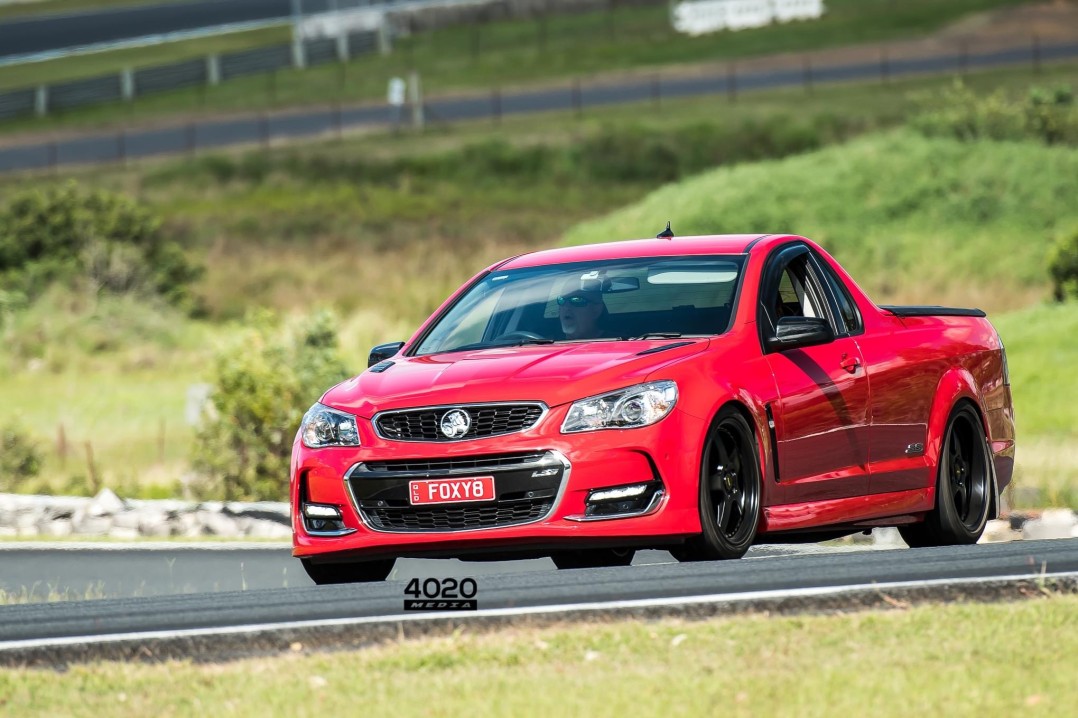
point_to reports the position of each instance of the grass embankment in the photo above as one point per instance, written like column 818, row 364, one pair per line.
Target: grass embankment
column 383, row 227
column 523, row 51
column 934, row 222
column 934, row 660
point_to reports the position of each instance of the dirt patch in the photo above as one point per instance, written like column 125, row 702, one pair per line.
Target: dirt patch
column 1050, row 22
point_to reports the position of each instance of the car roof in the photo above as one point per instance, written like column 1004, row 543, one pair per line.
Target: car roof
column 637, row 248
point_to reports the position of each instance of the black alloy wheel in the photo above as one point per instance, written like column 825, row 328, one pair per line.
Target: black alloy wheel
column 964, row 487
column 593, row 558
column 365, row 572
column 729, row 491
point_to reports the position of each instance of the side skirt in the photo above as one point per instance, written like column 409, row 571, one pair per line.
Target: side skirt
column 857, row 510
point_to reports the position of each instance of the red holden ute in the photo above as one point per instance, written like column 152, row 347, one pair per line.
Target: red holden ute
column 694, row 394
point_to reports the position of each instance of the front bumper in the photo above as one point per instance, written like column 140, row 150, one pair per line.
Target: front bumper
column 342, row 477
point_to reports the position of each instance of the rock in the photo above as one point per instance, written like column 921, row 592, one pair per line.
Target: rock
column 268, row 530
column 123, row 532
column 999, row 531
column 105, row 503
column 887, row 537
column 28, row 519
column 153, row 523
column 59, row 527
column 217, row 524
column 8, row 532
column 94, row 526
column 126, row 520
column 1052, row 524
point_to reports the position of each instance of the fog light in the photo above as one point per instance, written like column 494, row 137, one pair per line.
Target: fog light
column 623, row 501
column 321, row 511
column 621, row 492
column 324, row 520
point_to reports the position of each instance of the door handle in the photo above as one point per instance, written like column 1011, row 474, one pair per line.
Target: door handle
column 849, row 363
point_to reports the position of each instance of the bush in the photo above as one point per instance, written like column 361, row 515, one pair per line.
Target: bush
column 101, row 239
column 20, row 458
column 1063, row 267
column 264, row 382
column 1048, row 115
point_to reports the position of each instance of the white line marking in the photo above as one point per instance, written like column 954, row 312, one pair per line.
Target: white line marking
column 524, row 611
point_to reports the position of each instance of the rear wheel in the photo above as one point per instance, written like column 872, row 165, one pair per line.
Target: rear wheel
column 729, row 492
column 593, row 558
column 364, row 572
column 963, row 486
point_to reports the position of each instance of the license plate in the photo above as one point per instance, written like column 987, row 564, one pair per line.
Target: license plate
column 451, row 491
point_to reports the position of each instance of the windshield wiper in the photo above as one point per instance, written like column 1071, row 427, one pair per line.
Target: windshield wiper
column 656, row 335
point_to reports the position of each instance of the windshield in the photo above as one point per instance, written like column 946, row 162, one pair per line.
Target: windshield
column 656, row 297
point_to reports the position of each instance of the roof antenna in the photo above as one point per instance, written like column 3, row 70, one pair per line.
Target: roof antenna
column 666, row 233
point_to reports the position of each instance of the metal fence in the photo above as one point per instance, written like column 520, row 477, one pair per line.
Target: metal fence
column 210, row 70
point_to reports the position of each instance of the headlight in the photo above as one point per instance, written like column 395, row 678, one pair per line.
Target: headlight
column 323, row 426
column 629, row 408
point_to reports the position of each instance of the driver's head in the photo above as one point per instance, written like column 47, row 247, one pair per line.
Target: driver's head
column 580, row 305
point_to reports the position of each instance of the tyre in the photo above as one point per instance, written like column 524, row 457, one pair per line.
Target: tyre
column 729, row 497
column 963, row 486
column 329, row 573
column 593, row 558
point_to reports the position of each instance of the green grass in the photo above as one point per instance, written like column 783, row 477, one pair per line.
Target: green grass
column 21, row 10
column 915, row 220
column 94, row 64
column 296, row 227
column 511, row 53
column 957, row 660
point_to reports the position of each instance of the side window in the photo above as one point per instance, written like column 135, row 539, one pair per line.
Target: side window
column 796, row 296
column 847, row 308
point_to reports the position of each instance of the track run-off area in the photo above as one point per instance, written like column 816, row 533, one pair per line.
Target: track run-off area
column 215, row 600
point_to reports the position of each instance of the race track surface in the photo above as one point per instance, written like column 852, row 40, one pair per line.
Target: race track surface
column 775, row 569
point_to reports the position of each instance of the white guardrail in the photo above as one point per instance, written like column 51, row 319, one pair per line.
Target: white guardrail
column 699, row 17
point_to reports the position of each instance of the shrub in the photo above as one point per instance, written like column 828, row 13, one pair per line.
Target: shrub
column 103, row 239
column 20, row 458
column 264, row 381
column 1063, row 267
column 1048, row 115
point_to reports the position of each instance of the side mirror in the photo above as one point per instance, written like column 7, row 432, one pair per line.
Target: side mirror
column 798, row 332
column 383, row 352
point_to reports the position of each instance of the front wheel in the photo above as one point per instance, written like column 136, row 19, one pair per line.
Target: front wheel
column 325, row 574
column 963, row 486
column 729, row 492
column 593, row 558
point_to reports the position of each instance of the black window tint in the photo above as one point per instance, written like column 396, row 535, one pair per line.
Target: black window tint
column 851, row 317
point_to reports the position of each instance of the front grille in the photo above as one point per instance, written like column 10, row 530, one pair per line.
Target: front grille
column 526, row 486
column 456, row 518
column 454, row 465
column 486, row 420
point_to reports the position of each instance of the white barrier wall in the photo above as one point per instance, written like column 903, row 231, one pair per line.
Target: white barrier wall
column 699, row 17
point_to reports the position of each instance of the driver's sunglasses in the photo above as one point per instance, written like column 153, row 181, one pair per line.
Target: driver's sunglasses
column 574, row 301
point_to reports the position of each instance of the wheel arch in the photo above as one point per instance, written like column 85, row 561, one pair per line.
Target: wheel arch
column 756, row 415
column 957, row 387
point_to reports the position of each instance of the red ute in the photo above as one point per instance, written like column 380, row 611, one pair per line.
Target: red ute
column 697, row 394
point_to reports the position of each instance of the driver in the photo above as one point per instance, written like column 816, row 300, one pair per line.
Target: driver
column 580, row 309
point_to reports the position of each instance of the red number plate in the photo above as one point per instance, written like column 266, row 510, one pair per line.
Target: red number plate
column 451, row 491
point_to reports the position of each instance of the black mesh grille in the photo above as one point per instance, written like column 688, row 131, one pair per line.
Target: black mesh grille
column 450, row 518
column 489, row 420
column 463, row 463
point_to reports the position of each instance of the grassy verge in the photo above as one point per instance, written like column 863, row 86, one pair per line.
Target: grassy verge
column 319, row 224
column 514, row 52
column 934, row 221
column 934, row 660
column 23, row 10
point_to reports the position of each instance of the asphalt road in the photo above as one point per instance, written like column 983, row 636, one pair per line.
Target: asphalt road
column 36, row 34
column 191, row 137
column 772, row 571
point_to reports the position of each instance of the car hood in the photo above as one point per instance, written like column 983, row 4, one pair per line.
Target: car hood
column 554, row 374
